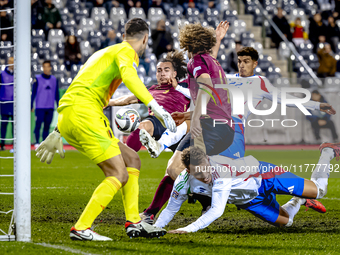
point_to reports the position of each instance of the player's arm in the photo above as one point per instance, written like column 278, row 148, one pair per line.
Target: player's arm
column 180, row 117
column 180, row 88
column 125, row 62
column 124, row 100
column 220, row 194
column 184, row 91
column 310, row 105
column 221, row 31
column 127, row 69
column 205, row 83
column 175, row 202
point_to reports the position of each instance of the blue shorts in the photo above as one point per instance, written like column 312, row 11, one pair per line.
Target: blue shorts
column 237, row 148
column 216, row 138
column 274, row 182
column 158, row 128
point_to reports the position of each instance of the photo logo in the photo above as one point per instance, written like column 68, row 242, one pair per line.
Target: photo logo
column 239, row 100
column 210, row 94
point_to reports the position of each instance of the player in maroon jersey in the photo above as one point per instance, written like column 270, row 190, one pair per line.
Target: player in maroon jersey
column 204, row 71
column 172, row 95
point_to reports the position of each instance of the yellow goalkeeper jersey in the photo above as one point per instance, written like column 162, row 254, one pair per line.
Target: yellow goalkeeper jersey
column 101, row 75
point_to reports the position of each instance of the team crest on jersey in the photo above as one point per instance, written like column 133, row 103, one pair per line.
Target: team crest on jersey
column 175, row 194
column 165, row 91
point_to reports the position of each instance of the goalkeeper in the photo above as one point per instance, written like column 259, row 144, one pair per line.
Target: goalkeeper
column 84, row 126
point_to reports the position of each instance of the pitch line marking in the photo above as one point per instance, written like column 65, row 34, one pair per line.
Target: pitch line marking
column 64, row 248
column 331, row 198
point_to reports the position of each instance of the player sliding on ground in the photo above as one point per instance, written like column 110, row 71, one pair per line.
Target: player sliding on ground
column 84, row 126
column 240, row 182
column 169, row 92
column 246, row 81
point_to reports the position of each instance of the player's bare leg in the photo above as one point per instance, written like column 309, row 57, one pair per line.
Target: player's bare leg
column 317, row 186
column 133, row 140
column 165, row 141
column 164, row 189
column 147, row 125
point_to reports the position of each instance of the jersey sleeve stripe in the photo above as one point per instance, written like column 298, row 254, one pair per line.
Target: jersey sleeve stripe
column 263, row 85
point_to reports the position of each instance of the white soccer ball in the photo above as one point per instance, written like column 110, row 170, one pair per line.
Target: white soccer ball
column 127, row 120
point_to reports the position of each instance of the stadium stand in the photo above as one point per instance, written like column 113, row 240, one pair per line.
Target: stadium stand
column 247, row 24
column 91, row 25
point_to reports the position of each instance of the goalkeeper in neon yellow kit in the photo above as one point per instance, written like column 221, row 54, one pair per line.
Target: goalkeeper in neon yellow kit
column 84, row 126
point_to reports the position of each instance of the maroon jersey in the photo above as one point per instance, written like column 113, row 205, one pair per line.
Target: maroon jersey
column 204, row 63
column 168, row 97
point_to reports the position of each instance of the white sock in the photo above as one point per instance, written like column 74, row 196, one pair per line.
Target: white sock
column 320, row 174
column 168, row 138
column 292, row 207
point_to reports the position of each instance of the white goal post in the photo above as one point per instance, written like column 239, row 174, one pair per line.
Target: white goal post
column 20, row 224
column 22, row 102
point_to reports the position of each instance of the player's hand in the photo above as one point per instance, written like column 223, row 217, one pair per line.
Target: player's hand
column 177, row 231
column 48, row 148
column 163, row 116
column 221, row 30
column 195, row 128
column 327, row 108
column 173, row 82
column 178, row 117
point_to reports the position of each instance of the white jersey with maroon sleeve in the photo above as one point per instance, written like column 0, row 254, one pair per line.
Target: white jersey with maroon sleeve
column 232, row 183
column 184, row 185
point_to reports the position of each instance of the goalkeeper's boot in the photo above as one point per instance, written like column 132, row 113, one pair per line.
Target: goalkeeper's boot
column 143, row 229
column 334, row 146
column 315, row 205
column 154, row 148
column 87, row 235
column 147, row 217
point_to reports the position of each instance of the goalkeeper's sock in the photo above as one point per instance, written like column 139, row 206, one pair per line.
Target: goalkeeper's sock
column 100, row 199
column 130, row 196
column 162, row 195
column 133, row 140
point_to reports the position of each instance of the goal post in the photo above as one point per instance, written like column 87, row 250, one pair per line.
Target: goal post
column 22, row 117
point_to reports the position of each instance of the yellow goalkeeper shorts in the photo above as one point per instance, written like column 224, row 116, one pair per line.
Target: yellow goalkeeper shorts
column 88, row 130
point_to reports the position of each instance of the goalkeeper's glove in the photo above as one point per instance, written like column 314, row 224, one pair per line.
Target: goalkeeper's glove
column 49, row 146
column 163, row 116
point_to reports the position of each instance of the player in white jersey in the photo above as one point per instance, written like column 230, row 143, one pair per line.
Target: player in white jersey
column 239, row 182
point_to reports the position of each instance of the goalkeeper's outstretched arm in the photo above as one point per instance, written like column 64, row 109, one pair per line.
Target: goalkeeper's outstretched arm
column 136, row 86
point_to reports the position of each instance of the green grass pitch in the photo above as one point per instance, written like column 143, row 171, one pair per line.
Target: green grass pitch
column 61, row 190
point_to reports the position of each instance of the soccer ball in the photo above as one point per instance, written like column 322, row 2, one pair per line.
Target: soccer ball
column 127, row 120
